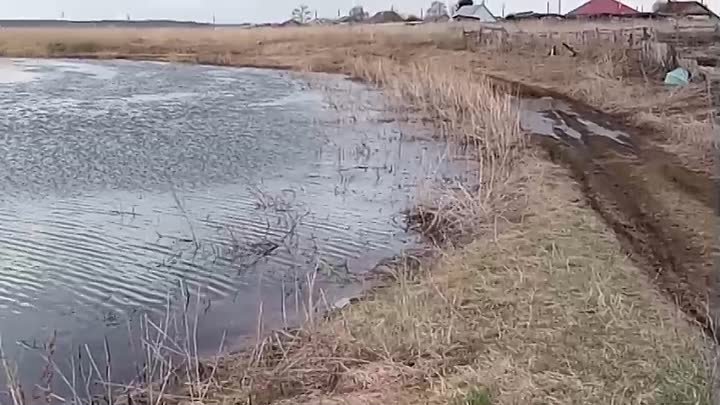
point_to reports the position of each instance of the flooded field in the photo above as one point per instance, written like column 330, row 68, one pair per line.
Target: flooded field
column 128, row 185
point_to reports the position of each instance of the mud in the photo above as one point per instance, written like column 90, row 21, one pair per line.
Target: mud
column 701, row 184
column 663, row 213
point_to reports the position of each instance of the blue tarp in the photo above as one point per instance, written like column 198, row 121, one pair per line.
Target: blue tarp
column 677, row 77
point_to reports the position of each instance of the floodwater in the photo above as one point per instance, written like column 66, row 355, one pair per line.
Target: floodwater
column 128, row 185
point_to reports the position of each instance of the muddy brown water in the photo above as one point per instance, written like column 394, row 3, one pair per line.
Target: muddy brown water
column 127, row 185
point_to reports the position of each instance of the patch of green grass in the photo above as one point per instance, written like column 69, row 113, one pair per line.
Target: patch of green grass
column 683, row 383
column 475, row 397
column 56, row 47
column 59, row 48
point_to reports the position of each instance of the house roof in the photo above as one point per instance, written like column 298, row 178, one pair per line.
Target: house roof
column 477, row 12
column 684, row 8
column 532, row 15
column 607, row 7
column 385, row 17
column 291, row 23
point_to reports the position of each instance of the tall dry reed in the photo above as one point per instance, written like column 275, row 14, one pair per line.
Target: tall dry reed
column 164, row 349
column 466, row 110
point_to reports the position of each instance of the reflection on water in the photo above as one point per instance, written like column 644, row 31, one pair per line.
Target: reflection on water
column 120, row 180
column 11, row 73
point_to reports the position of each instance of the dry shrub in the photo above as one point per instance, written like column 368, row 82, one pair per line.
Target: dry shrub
column 695, row 141
column 610, row 63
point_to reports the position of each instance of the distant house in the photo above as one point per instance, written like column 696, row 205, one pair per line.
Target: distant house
column 291, row 23
column 322, row 21
column 439, row 18
column 412, row 18
column 531, row 15
column 602, row 8
column 686, row 9
column 476, row 12
column 384, row 17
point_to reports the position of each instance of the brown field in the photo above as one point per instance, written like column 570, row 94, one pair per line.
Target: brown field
column 587, row 270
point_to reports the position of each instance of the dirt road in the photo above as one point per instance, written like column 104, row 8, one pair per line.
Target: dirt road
column 664, row 213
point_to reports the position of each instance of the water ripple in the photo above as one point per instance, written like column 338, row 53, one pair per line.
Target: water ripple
column 120, row 180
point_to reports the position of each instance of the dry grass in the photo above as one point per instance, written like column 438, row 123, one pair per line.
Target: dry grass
column 235, row 46
column 468, row 111
column 548, row 311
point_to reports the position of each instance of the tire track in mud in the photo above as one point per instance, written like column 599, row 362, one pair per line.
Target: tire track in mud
column 696, row 184
column 663, row 214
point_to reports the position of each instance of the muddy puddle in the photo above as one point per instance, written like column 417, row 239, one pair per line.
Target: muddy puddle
column 547, row 116
column 226, row 192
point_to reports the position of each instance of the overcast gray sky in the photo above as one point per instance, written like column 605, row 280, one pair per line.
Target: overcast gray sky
column 246, row 10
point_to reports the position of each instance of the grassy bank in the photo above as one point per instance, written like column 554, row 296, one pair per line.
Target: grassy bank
column 548, row 310
column 542, row 306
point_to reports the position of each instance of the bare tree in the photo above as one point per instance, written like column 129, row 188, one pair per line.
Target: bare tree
column 437, row 9
column 301, row 14
column 358, row 13
column 658, row 5
column 460, row 4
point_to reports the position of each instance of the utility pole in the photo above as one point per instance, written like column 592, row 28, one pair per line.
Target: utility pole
column 560, row 7
column 548, row 8
column 503, row 10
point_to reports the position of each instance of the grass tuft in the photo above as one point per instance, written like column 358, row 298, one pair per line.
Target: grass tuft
column 474, row 397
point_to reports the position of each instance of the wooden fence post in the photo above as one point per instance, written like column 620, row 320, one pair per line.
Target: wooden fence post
column 713, row 89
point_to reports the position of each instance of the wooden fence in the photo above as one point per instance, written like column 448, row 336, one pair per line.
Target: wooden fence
column 498, row 36
column 659, row 49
